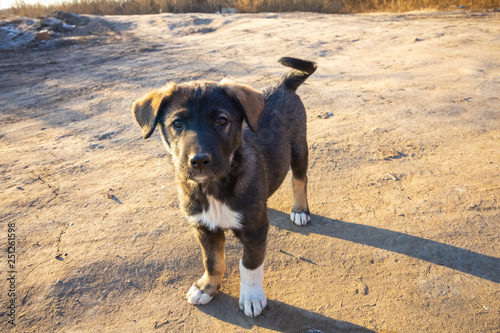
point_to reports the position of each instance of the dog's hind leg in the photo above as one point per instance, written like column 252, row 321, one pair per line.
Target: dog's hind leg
column 213, row 249
column 300, row 212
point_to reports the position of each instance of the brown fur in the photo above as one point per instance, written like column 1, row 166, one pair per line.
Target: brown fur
column 251, row 100
column 300, row 195
column 214, row 259
column 146, row 109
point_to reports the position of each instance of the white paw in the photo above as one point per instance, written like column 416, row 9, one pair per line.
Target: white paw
column 196, row 296
column 252, row 297
column 300, row 218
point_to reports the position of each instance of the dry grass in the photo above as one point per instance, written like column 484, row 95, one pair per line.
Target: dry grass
column 117, row 7
column 257, row 6
column 130, row 7
column 356, row 6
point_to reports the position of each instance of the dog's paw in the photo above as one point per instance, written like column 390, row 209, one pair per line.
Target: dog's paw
column 300, row 218
column 253, row 303
column 252, row 297
column 196, row 296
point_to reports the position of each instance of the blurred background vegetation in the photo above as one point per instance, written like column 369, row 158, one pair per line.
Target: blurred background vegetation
column 133, row 7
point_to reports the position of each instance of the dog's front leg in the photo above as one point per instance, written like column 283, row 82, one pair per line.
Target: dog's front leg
column 213, row 249
column 252, row 297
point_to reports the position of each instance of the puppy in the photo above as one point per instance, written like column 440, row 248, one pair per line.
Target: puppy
column 231, row 147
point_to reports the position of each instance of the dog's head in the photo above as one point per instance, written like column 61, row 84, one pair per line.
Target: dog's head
column 201, row 123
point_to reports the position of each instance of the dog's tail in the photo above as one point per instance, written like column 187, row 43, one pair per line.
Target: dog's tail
column 302, row 69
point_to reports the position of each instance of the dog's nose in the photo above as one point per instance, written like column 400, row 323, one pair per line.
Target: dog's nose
column 200, row 161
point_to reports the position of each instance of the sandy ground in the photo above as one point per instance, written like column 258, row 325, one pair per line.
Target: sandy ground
column 404, row 135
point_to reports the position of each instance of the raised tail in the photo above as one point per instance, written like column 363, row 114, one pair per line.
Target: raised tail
column 302, row 69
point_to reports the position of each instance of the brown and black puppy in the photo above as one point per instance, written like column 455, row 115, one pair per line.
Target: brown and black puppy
column 232, row 146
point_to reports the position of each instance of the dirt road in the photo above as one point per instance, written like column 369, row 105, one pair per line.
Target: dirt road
column 404, row 135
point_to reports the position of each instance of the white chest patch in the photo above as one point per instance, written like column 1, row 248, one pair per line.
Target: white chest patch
column 218, row 215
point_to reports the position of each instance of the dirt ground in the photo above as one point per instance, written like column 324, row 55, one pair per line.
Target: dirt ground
column 404, row 135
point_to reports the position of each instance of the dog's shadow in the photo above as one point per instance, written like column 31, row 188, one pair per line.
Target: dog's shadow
column 282, row 317
column 278, row 317
column 473, row 263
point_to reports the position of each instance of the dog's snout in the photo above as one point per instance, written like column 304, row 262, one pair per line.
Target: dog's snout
column 200, row 161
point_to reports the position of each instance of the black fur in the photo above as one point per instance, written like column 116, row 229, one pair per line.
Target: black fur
column 301, row 71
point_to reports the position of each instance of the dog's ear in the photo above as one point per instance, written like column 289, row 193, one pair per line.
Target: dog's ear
column 146, row 110
column 250, row 99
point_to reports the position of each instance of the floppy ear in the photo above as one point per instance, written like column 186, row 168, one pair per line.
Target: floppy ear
column 250, row 99
column 146, row 109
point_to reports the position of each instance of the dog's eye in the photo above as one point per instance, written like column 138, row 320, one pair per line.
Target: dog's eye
column 178, row 124
column 221, row 121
